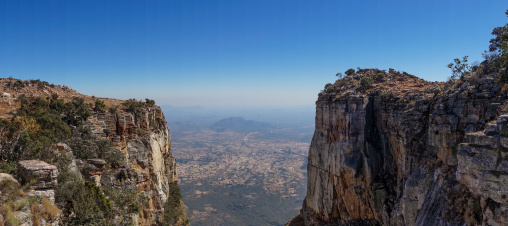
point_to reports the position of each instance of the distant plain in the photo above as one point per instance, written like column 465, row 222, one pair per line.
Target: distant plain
column 237, row 171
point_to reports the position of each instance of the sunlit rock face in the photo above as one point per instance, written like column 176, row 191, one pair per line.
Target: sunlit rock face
column 149, row 164
column 408, row 152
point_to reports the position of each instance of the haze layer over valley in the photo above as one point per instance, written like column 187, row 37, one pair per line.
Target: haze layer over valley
column 236, row 171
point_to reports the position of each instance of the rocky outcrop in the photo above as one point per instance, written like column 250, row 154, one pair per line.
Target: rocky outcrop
column 113, row 156
column 149, row 167
column 407, row 155
column 41, row 176
column 483, row 168
column 93, row 170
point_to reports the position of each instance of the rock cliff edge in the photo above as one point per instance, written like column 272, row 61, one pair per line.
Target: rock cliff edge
column 392, row 149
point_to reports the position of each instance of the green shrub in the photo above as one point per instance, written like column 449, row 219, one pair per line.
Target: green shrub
column 112, row 110
column 18, row 84
column 366, row 82
column 125, row 201
column 83, row 148
column 10, row 191
column 172, row 207
column 57, row 106
column 11, row 219
column 100, row 106
column 350, row 71
column 133, row 106
column 53, row 127
column 149, row 103
column 8, row 167
column 89, row 204
column 386, row 95
column 108, row 153
column 76, row 111
column 69, row 186
column 328, row 86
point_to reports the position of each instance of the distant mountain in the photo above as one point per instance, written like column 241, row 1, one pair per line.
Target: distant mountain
column 241, row 125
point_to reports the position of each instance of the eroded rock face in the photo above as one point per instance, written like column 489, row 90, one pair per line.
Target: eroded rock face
column 93, row 170
column 149, row 165
column 483, row 168
column 399, row 160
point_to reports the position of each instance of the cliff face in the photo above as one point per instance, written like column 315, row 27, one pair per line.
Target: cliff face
column 149, row 168
column 408, row 152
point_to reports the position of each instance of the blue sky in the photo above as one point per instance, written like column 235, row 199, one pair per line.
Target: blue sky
column 234, row 52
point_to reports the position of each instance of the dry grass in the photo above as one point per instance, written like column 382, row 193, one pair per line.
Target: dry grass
column 46, row 210
column 50, row 211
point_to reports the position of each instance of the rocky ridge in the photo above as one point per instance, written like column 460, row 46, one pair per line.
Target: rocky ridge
column 135, row 135
column 398, row 150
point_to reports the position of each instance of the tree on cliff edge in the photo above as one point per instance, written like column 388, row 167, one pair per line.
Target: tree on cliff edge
column 497, row 56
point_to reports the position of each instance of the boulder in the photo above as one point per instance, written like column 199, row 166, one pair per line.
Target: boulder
column 41, row 173
column 8, row 177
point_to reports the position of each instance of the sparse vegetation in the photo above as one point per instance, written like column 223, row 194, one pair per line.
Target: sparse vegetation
column 149, row 103
column 366, row 82
column 18, row 84
column 172, row 207
column 125, row 201
column 14, row 199
column 386, row 95
column 328, row 86
column 100, row 106
column 112, row 110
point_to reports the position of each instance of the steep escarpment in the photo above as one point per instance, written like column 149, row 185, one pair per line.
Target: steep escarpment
column 149, row 167
column 92, row 160
column 392, row 149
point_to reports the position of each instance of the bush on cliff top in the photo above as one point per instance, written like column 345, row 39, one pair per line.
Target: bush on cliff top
column 366, row 82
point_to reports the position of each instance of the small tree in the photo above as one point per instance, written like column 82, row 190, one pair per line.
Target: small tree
column 459, row 68
column 339, row 75
column 497, row 56
column 350, row 71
